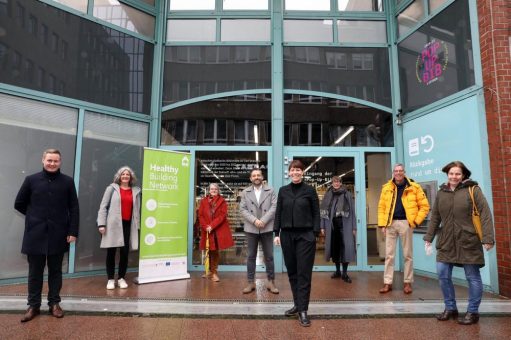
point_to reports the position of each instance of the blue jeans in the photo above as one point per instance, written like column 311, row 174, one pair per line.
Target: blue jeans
column 475, row 285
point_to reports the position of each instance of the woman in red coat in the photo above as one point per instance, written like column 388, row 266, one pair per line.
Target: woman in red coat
column 213, row 222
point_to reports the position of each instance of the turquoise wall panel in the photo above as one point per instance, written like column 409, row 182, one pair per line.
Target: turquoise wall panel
column 433, row 140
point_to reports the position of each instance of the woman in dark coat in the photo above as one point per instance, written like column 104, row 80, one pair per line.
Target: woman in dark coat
column 339, row 226
column 296, row 227
column 458, row 243
column 213, row 223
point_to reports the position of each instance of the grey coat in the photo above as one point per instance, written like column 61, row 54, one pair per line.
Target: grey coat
column 349, row 225
column 264, row 210
column 109, row 215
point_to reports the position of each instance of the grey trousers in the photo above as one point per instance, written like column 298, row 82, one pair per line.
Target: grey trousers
column 266, row 240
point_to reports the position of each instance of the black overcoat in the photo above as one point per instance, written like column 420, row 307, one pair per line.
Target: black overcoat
column 50, row 205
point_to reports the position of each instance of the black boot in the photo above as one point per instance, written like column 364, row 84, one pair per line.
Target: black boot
column 346, row 278
column 304, row 320
column 469, row 319
column 447, row 314
column 291, row 312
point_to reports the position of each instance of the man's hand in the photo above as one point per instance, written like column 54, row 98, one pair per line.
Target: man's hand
column 383, row 230
column 258, row 223
column 71, row 239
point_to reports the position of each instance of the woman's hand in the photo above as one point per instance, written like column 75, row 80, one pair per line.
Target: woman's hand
column 102, row 230
column 322, row 232
column 488, row 246
column 208, row 228
column 427, row 243
column 276, row 241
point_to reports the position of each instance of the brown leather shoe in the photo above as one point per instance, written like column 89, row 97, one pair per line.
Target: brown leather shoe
column 407, row 289
column 386, row 288
column 56, row 311
column 31, row 313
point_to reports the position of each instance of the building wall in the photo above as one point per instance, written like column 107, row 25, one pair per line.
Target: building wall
column 495, row 40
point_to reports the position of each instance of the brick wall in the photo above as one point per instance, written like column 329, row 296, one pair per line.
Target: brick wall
column 495, row 38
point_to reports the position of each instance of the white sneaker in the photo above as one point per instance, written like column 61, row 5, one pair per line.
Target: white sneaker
column 122, row 284
column 110, row 284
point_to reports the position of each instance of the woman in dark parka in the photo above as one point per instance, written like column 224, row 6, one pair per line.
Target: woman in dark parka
column 457, row 241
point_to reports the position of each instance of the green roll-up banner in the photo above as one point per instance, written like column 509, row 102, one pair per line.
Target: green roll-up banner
column 164, row 221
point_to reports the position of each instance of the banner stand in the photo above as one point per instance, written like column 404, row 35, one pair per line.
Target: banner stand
column 164, row 218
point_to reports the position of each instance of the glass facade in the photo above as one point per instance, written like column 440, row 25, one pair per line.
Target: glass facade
column 47, row 49
column 437, row 60
column 108, row 144
column 361, row 73
column 124, row 16
column 240, row 120
column 195, row 71
column 231, row 170
column 320, row 121
column 27, row 128
column 235, row 83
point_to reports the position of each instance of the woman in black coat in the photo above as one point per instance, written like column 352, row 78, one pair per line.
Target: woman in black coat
column 296, row 226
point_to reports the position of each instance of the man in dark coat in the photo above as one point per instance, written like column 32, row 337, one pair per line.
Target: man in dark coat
column 49, row 202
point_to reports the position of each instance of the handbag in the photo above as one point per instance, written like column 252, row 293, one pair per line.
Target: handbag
column 476, row 217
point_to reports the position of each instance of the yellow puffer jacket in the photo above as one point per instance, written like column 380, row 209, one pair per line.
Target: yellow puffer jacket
column 414, row 201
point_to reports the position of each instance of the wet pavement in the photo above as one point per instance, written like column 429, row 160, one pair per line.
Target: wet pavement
column 201, row 309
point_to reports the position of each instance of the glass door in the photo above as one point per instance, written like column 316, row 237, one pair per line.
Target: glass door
column 319, row 170
column 363, row 174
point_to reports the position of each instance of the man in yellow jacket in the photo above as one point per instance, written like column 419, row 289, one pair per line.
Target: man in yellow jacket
column 402, row 206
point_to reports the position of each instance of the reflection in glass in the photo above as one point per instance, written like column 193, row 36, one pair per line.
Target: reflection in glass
column 320, row 121
column 359, row 31
column 300, row 5
column 27, row 128
column 410, row 17
column 124, row 16
column 178, row 5
column 76, row 58
column 437, row 60
column 361, row 5
column 79, row 5
column 434, row 4
column 194, row 71
column 108, row 143
column 191, row 30
column 318, row 173
column 359, row 72
column 308, row 31
column 231, row 171
column 378, row 172
column 245, row 30
column 239, row 120
column 245, row 5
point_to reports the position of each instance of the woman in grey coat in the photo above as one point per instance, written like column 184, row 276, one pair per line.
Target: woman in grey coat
column 118, row 223
column 339, row 226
